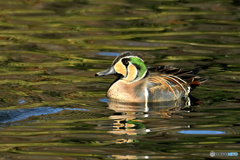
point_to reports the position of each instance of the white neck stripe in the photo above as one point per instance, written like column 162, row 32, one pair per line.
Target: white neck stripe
column 146, row 100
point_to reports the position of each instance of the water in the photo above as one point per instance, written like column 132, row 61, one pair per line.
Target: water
column 52, row 106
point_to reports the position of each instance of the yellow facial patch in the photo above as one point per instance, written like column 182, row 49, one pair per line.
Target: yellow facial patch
column 132, row 73
column 120, row 68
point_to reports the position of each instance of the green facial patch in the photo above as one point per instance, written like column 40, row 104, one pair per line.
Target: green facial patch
column 139, row 65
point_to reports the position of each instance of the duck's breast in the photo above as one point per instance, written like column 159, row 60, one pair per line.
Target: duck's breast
column 127, row 92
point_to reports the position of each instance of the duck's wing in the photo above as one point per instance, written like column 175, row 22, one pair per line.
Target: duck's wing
column 163, row 87
column 180, row 77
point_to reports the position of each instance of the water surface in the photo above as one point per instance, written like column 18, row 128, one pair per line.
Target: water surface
column 52, row 106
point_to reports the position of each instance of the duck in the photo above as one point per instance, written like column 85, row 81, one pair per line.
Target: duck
column 137, row 83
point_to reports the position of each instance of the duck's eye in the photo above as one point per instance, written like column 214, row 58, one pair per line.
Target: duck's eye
column 125, row 62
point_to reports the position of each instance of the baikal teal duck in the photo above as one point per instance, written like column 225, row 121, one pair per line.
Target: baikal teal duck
column 136, row 83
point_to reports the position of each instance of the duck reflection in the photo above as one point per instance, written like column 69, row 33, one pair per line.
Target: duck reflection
column 129, row 117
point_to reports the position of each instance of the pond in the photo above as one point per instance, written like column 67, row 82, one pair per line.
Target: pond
column 52, row 106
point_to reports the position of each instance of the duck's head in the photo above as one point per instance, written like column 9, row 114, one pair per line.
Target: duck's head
column 128, row 66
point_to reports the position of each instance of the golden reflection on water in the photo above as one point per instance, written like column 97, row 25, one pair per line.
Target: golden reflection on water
column 130, row 120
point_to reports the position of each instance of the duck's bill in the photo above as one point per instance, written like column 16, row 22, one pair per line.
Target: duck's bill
column 109, row 71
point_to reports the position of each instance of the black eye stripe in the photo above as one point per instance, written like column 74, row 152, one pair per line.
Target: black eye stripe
column 125, row 61
column 137, row 66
